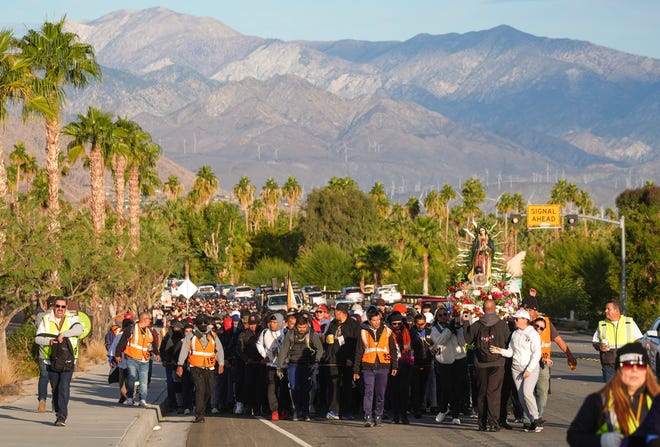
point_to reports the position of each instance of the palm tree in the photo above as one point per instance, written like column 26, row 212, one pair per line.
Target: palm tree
column 399, row 225
column 127, row 134
column 292, row 192
column 172, row 188
column 447, row 194
column 504, row 206
column 270, row 194
column 204, row 186
column 244, row 192
column 30, row 168
column 376, row 260
column 16, row 86
column 141, row 160
column 341, row 184
column 474, row 194
column 94, row 129
column 432, row 205
column 382, row 202
column 62, row 61
column 412, row 208
column 585, row 204
column 19, row 158
column 257, row 214
column 425, row 230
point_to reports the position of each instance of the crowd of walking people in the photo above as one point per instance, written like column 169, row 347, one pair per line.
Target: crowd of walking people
column 379, row 365
column 383, row 364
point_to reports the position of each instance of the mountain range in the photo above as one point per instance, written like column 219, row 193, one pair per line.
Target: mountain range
column 517, row 110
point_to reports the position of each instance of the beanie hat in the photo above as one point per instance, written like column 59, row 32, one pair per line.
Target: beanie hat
column 401, row 308
column 531, row 303
column 632, row 352
column 395, row 316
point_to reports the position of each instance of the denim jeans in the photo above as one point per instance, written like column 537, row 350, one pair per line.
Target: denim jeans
column 300, row 385
column 137, row 372
column 42, row 387
column 608, row 373
column 60, row 382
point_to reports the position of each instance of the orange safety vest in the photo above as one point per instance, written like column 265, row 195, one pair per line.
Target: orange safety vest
column 200, row 356
column 376, row 349
column 139, row 345
column 546, row 342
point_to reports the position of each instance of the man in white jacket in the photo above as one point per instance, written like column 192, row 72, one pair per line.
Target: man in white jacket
column 450, row 365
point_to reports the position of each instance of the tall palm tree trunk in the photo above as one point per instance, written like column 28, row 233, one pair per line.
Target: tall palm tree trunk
column 97, row 180
column 3, row 175
column 134, row 207
column 120, row 169
column 53, row 170
column 425, row 283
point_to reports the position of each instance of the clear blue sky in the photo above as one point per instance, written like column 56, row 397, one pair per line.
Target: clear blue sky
column 627, row 25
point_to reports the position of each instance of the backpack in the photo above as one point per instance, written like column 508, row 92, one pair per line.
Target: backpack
column 485, row 339
column 62, row 358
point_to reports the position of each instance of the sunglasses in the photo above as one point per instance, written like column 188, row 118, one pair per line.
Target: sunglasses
column 58, row 306
column 396, row 324
column 540, row 328
column 630, row 363
column 443, row 314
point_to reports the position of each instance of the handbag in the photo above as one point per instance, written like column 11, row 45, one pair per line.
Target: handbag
column 113, row 375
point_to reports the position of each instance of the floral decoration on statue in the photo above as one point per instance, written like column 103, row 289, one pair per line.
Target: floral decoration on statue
column 468, row 298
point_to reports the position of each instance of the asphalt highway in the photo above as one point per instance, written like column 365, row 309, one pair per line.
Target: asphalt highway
column 568, row 390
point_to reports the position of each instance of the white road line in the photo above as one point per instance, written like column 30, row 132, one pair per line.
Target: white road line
column 291, row 436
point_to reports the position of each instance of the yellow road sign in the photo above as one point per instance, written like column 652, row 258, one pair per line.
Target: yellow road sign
column 543, row 216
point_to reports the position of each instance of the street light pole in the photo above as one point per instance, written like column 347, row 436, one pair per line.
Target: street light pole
column 622, row 224
column 623, row 264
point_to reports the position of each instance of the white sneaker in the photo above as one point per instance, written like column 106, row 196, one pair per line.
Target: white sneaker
column 143, row 403
column 239, row 408
column 129, row 402
column 441, row 416
column 456, row 421
column 215, row 410
column 186, row 411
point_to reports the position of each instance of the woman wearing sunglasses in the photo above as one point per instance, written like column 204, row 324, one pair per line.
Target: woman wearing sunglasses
column 615, row 412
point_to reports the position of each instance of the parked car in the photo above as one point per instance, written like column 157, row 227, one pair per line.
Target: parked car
column 651, row 341
column 387, row 292
column 313, row 295
column 206, row 291
column 224, row 288
column 351, row 293
column 278, row 301
column 238, row 292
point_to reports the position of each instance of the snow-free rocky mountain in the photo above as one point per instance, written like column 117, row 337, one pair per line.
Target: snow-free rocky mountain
column 517, row 110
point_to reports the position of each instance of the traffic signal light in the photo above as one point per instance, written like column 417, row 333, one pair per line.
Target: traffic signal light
column 515, row 219
column 571, row 220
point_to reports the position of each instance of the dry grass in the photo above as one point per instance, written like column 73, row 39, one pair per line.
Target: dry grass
column 92, row 353
column 8, row 374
